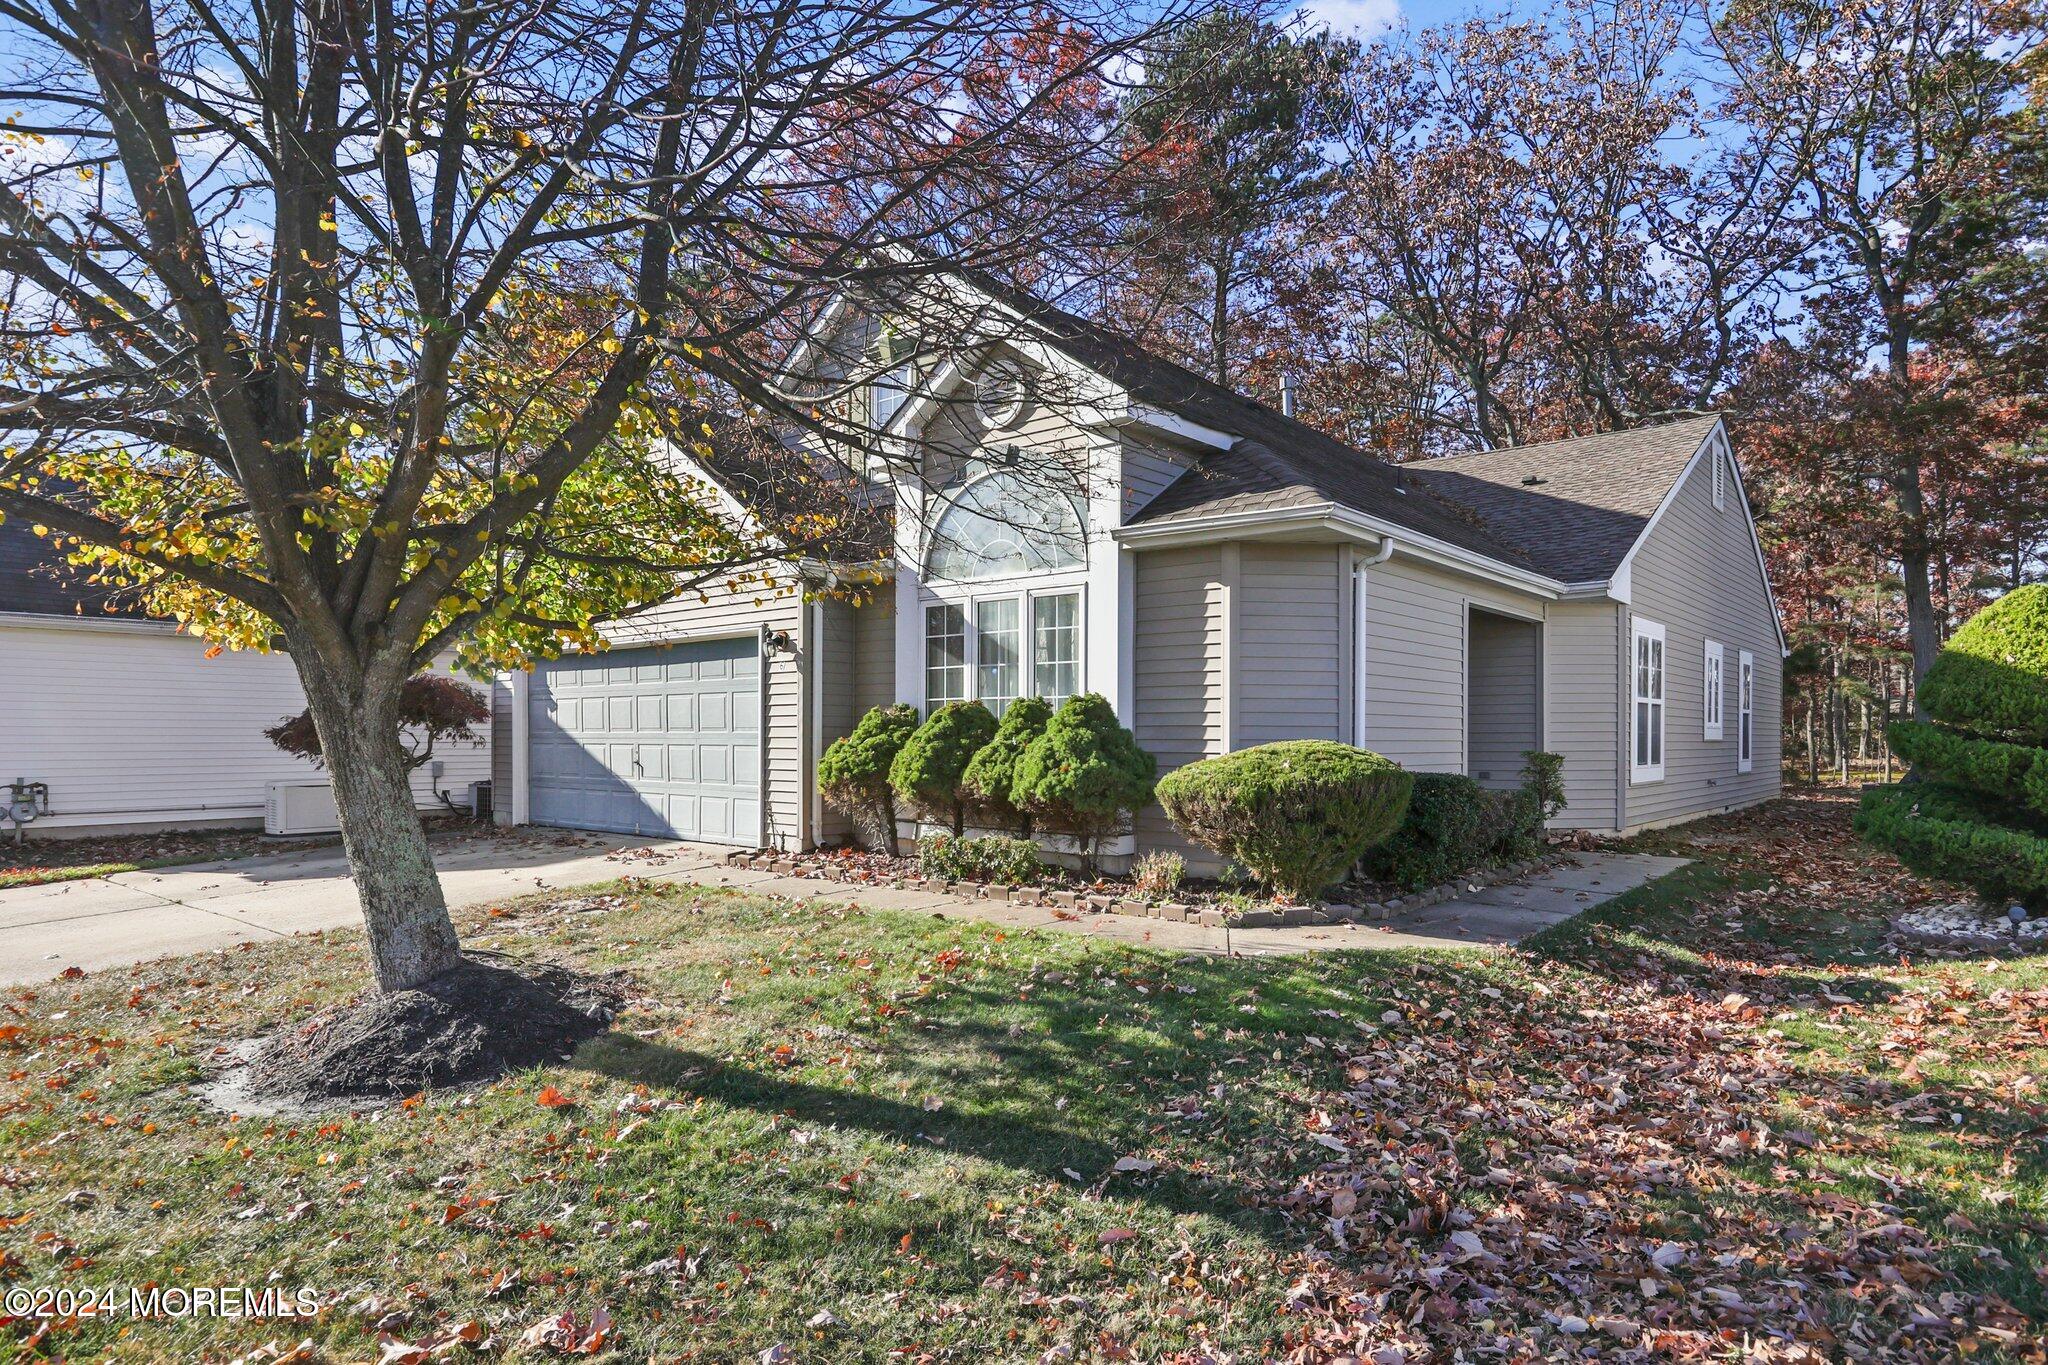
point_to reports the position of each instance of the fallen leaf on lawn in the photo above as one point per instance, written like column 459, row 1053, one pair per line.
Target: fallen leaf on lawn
column 551, row 1098
column 1134, row 1163
column 1115, row 1235
column 564, row 1335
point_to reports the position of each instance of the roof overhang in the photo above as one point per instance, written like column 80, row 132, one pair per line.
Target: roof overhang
column 1334, row 522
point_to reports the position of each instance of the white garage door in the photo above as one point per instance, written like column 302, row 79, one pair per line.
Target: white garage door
column 663, row 740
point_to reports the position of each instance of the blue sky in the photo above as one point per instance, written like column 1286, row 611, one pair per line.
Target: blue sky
column 1363, row 18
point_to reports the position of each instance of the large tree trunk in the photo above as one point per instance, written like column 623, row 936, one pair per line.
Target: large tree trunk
column 412, row 939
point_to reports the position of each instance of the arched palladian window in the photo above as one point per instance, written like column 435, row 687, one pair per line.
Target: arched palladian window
column 1002, row 524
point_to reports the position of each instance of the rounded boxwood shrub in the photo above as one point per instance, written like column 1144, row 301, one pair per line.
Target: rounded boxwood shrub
column 1084, row 775
column 853, row 772
column 1452, row 826
column 1991, row 678
column 1297, row 815
column 993, row 771
column 1975, row 809
column 927, row 771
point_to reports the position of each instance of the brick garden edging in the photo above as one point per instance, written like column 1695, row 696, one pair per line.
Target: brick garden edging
column 1107, row 903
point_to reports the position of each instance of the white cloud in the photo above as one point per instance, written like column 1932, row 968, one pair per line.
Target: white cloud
column 1353, row 18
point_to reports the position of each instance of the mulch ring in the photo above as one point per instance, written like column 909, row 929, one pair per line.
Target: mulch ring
column 491, row 1015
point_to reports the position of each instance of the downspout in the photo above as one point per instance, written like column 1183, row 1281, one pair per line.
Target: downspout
column 1358, row 635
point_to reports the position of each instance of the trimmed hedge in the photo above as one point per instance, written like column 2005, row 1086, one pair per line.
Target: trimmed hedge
column 993, row 769
column 853, row 772
column 1453, row 825
column 927, row 771
column 1991, row 679
column 1297, row 815
column 1084, row 775
column 1943, row 832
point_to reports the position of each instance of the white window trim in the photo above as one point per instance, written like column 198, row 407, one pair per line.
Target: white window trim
column 1642, row 629
column 1745, row 719
column 1026, row 598
column 1714, row 692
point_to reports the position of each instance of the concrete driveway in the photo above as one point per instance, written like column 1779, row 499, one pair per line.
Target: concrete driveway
column 132, row 916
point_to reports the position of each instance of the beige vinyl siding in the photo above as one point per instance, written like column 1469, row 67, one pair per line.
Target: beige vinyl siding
column 501, row 743
column 1415, row 623
column 1147, row 471
column 1290, row 636
column 834, row 658
column 1582, row 663
column 725, row 612
column 1697, row 575
column 1506, row 697
column 1178, row 670
column 874, row 654
column 856, row 672
column 1415, row 666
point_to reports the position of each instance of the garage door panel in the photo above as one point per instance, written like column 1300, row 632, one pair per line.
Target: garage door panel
column 662, row 740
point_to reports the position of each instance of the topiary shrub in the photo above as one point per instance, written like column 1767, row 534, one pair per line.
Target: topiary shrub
column 993, row 770
column 1975, row 809
column 927, row 771
column 1297, row 815
column 1991, row 678
column 1084, row 775
column 1013, row 862
column 1452, row 826
column 853, row 772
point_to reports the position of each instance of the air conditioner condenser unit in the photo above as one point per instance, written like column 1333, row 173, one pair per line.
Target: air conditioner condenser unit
column 299, row 808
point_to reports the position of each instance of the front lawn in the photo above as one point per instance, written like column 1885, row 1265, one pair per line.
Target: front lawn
column 1712, row 1117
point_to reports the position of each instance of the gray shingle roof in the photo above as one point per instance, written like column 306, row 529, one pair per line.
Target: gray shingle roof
column 1597, row 494
column 34, row 579
column 1592, row 497
column 1276, row 463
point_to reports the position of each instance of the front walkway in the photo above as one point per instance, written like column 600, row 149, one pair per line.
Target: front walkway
column 99, row 922
column 1487, row 917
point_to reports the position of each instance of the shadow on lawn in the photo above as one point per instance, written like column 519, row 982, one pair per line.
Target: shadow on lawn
column 1032, row 1149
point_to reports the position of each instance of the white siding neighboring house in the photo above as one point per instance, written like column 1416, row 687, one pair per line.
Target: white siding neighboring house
column 129, row 722
column 1228, row 576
